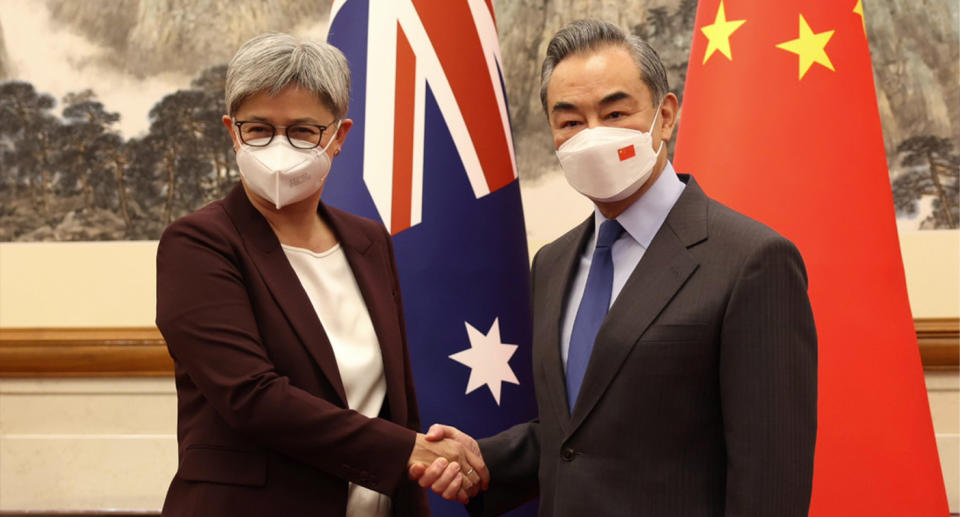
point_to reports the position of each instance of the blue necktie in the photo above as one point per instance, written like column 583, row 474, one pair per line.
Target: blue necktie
column 593, row 309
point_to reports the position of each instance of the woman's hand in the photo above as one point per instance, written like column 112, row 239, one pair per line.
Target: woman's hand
column 449, row 462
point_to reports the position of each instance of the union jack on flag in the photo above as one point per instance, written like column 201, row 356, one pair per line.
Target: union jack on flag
column 431, row 156
column 450, row 47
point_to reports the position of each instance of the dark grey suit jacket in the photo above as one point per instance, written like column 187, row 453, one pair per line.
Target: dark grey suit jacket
column 700, row 398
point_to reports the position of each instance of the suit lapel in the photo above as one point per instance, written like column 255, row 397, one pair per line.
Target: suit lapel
column 560, row 270
column 665, row 267
column 283, row 283
column 370, row 262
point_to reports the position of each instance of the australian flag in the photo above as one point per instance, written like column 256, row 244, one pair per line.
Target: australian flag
column 431, row 156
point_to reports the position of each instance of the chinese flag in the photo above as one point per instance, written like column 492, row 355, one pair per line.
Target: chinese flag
column 780, row 122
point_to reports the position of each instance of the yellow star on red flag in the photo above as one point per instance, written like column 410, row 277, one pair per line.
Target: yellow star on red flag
column 809, row 46
column 859, row 10
column 718, row 34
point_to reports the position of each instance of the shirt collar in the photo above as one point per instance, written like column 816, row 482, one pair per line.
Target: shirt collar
column 642, row 219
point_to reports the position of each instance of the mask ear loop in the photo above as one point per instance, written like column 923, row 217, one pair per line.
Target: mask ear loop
column 653, row 122
column 332, row 138
column 239, row 141
column 277, row 186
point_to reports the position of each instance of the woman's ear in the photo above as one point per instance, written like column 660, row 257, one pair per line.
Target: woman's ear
column 228, row 123
column 345, row 126
column 342, row 131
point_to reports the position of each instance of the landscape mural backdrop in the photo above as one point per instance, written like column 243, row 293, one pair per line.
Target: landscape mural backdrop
column 110, row 111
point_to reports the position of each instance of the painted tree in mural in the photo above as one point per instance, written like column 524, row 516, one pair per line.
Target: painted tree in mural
column 87, row 182
column 83, row 141
column 28, row 133
column 931, row 167
column 137, row 160
column 178, row 139
column 115, row 158
column 219, row 146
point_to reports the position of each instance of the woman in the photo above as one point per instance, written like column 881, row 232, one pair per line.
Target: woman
column 283, row 318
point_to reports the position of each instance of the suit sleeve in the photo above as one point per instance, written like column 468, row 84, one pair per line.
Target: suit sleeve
column 205, row 315
column 513, row 458
column 768, row 383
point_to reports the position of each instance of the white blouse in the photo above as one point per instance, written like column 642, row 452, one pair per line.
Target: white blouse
column 335, row 295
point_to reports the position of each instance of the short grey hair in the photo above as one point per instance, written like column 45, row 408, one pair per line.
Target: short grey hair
column 271, row 61
column 589, row 35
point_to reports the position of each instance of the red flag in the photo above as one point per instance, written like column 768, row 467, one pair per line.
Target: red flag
column 780, row 122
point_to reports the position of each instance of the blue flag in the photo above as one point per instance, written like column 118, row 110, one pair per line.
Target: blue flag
column 431, row 156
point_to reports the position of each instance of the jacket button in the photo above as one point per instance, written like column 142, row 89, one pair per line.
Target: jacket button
column 567, row 454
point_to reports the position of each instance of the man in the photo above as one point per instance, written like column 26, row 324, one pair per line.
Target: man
column 675, row 354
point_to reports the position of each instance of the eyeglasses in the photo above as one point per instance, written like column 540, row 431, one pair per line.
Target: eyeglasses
column 260, row 134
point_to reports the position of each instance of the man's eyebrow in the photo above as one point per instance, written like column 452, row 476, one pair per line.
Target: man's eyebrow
column 614, row 97
column 563, row 106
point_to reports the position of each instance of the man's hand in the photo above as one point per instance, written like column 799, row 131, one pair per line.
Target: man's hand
column 440, row 475
column 451, row 467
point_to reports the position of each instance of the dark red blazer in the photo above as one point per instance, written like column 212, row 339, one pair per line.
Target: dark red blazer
column 263, row 425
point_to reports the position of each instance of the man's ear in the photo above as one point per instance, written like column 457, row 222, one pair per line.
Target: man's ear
column 669, row 114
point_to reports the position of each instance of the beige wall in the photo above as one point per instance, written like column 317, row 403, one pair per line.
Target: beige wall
column 931, row 261
column 943, row 392
column 77, row 284
column 81, row 444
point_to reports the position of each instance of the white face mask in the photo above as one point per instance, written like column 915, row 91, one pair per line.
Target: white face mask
column 609, row 163
column 283, row 174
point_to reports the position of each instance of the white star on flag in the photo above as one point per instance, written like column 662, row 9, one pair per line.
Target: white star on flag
column 488, row 359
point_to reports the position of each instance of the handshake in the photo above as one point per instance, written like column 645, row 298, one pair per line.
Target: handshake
column 449, row 462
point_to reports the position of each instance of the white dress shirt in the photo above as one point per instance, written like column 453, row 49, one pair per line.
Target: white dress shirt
column 641, row 221
column 335, row 295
